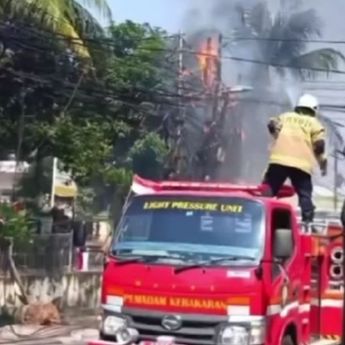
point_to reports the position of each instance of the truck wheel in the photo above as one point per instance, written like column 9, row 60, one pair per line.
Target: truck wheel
column 107, row 338
column 287, row 340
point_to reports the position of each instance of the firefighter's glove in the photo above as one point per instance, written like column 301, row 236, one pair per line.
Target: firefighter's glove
column 274, row 127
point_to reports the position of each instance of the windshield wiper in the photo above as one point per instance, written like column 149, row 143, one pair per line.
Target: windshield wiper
column 213, row 261
column 126, row 259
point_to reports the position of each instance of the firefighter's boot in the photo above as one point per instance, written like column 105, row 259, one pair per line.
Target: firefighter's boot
column 307, row 220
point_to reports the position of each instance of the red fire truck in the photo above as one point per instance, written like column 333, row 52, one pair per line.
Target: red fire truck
column 215, row 263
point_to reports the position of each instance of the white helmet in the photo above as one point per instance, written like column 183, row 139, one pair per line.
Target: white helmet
column 308, row 101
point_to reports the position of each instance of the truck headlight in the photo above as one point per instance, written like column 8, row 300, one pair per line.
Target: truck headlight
column 253, row 334
column 112, row 324
column 233, row 335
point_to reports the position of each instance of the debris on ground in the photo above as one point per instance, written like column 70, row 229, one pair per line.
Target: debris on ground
column 41, row 314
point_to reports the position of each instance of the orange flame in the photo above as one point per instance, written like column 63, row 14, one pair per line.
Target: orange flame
column 208, row 61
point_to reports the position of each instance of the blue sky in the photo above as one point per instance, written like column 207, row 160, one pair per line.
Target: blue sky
column 167, row 14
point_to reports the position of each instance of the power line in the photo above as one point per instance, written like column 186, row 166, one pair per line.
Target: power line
column 121, row 95
column 156, row 92
column 281, row 39
column 41, row 35
column 245, row 60
column 197, row 53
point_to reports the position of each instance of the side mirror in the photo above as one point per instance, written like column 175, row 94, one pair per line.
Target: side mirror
column 283, row 243
column 342, row 215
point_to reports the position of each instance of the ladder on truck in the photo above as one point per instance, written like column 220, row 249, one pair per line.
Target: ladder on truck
column 327, row 232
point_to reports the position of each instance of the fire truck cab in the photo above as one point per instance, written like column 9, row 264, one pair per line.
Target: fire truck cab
column 216, row 263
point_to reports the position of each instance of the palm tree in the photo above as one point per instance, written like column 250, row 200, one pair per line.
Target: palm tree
column 67, row 18
column 282, row 40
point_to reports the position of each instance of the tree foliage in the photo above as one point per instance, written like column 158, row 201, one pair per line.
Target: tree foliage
column 64, row 17
column 13, row 224
column 148, row 156
column 50, row 105
column 139, row 52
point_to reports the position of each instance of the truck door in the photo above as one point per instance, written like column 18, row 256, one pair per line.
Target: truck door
column 286, row 278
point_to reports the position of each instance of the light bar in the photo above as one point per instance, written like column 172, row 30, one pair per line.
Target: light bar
column 143, row 186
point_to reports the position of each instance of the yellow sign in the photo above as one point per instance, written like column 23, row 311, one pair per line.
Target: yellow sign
column 182, row 302
column 192, row 206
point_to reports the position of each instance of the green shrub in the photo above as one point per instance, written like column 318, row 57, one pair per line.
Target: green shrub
column 15, row 225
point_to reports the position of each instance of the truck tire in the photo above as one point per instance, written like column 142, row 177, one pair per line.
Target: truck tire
column 105, row 337
column 287, row 340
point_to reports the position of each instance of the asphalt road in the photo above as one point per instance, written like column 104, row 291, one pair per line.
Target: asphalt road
column 58, row 335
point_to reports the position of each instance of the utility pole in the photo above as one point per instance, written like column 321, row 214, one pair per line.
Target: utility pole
column 180, row 120
column 218, row 79
column 176, row 149
column 180, row 72
column 208, row 58
column 335, row 185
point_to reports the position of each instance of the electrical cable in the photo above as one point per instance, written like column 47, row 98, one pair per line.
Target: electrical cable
column 238, row 59
column 277, row 39
column 234, row 58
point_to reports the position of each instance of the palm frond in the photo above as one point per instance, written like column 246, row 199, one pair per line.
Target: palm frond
column 304, row 25
column 101, row 6
column 88, row 27
column 260, row 19
column 316, row 61
column 59, row 16
column 290, row 35
column 252, row 22
column 270, row 48
column 86, row 24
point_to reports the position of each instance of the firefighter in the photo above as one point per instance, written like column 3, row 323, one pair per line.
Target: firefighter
column 299, row 144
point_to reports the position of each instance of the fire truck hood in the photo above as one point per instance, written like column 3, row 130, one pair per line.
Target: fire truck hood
column 161, row 287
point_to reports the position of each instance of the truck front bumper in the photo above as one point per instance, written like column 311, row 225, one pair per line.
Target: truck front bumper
column 189, row 329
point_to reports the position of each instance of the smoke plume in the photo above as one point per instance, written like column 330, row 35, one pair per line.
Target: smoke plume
column 274, row 90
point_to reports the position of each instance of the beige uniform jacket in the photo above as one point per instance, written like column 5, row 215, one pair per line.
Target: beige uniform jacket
column 294, row 141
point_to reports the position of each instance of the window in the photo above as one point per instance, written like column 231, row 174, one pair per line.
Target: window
column 202, row 226
column 281, row 219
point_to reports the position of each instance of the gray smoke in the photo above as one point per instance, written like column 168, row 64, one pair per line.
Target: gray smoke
column 246, row 157
column 268, row 99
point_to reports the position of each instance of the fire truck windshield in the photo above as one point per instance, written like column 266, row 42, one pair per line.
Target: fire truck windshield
column 191, row 227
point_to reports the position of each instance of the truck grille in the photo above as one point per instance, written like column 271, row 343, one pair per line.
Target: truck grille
column 195, row 329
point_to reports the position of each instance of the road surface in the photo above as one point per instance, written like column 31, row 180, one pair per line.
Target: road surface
column 56, row 335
